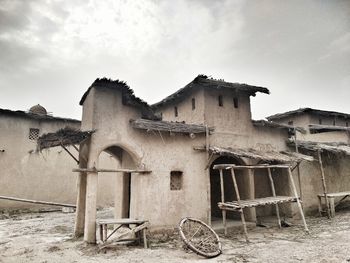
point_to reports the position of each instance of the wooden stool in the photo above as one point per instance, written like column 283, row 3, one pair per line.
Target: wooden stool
column 137, row 227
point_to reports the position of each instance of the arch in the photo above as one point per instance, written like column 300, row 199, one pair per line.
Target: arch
column 229, row 192
column 118, row 149
column 122, row 184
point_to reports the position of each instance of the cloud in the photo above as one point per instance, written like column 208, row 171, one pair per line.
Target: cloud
column 295, row 48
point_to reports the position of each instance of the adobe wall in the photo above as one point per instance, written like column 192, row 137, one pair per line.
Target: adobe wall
column 151, row 196
column 337, row 179
column 184, row 109
column 45, row 176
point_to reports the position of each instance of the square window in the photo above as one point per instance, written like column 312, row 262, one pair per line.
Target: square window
column 235, row 102
column 221, row 103
column 33, row 134
column 176, row 180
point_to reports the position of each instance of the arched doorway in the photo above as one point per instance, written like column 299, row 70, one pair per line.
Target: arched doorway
column 121, row 183
column 229, row 192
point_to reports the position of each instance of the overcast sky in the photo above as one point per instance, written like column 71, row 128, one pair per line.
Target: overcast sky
column 51, row 51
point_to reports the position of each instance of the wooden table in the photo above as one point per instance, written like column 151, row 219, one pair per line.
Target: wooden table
column 136, row 226
column 330, row 197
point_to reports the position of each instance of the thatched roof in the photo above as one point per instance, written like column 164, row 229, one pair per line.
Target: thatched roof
column 202, row 81
column 128, row 96
column 175, row 127
column 65, row 136
column 263, row 123
column 308, row 110
column 332, row 147
column 30, row 115
column 315, row 128
column 267, row 156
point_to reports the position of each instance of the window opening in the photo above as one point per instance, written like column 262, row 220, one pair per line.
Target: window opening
column 193, row 103
column 320, row 121
column 176, row 112
column 220, row 101
column 176, row 180
column 235, row 102
column 33, row 134
column 290, row 123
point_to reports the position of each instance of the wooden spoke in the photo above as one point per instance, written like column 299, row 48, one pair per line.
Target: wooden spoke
column 199, row 237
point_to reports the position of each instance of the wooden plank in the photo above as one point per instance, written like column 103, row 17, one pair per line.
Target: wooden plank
column 35, row 201
column 95, row 170
column 232, row 166
column 238, row 201
column 338, row 194
column 274, row 195
column 121, row 221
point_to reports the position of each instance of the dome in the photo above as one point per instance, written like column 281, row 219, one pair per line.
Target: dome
column 38, row 109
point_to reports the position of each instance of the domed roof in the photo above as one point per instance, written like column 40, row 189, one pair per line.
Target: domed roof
column 38, row 109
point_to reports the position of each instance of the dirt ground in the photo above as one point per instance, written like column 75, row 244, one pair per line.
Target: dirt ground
column 46, row 237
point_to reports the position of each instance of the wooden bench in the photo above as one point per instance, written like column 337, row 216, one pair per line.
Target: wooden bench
column 331, row 197
column 136, row 226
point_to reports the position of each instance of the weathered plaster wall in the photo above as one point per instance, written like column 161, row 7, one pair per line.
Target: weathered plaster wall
column 151, row 197
column 184, row 109
column 337, row 179
column 43, row 176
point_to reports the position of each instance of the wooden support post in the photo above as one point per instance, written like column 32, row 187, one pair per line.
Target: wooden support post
column 90, row 213
column 81, row 189
column 208, row 174
column 297, row 197
column 324, row 186
column 298, row 168
column 332, row 206
column 239, row 203
column 274, row 194
column 223, row 200
column 144, row 235
column 75, row 159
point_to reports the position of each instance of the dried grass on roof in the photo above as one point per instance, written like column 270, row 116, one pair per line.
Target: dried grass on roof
column 331, row 147
column 175, row 127
column 66, row 136
column 263, row 123
column 203, row 81
column 309, row 110
column 267, row 156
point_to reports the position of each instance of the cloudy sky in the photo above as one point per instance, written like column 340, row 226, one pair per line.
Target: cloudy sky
column 51, row 51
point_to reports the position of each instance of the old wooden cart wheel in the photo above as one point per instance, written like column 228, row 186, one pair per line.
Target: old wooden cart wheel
column 199, row 237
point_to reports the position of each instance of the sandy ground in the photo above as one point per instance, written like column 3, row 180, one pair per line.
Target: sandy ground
column 46, row 237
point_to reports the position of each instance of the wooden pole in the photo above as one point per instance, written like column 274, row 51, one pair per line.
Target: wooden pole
column 121, row 170
column 208, row 174
column 324, row 186
column 274, row 194
column 243, row 167
column 90, row 212
column 75, row 159
column 223, row 201
column 81, row 190
column 35, row 201
column 298, row 168
column 239, row 203
column 297, row 197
